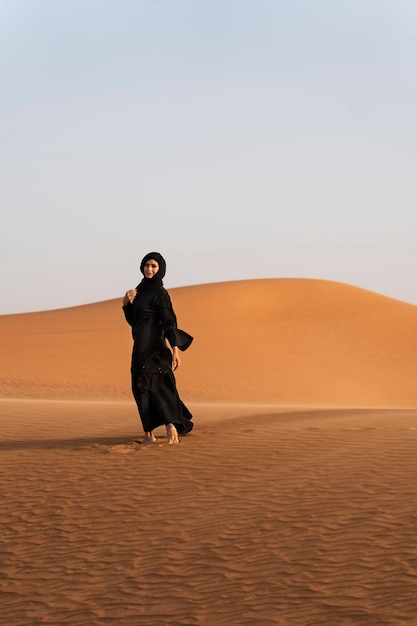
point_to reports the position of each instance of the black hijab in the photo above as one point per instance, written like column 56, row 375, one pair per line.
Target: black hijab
column 146, row 284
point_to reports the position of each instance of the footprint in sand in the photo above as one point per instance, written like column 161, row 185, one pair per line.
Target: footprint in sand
column 127, row 448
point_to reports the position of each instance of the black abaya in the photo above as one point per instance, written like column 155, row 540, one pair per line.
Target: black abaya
column 153, row 383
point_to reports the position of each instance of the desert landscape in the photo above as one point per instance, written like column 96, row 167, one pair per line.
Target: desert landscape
column 291, row 503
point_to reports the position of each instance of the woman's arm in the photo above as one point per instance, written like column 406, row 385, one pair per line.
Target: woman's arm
column 176, row 361
column 176, row 339
column 127, row 308
column 129, row 296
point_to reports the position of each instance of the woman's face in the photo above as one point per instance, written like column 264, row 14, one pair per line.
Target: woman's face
column 150, row 268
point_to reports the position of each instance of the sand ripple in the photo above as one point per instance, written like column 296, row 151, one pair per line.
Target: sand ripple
column 302, row 518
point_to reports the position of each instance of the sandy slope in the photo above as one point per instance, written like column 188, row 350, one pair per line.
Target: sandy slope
column 274, row 511
column 258, row 518
column 286, row 340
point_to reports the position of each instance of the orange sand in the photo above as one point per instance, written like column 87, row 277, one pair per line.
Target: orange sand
column 291, row 503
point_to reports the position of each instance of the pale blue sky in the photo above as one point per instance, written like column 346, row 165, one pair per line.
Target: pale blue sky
column 241, row 139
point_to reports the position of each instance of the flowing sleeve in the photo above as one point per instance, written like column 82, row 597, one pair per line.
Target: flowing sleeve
column 128, row 311
column 168, row 321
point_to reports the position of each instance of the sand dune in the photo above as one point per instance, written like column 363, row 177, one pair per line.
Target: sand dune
column 284, row 341
column 292, row 502
column 258, row 518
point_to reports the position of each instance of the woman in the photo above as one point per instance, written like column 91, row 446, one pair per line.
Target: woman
column 155, row 356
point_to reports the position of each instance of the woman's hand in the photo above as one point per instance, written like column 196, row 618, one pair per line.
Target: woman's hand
column 129, row 296
column 176, row 361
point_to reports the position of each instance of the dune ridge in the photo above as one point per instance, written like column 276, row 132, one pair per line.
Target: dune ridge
column 291, row 503
column 285, row 341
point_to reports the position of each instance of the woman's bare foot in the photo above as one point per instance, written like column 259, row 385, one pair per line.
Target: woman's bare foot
column 148, row 438
column 172, row 434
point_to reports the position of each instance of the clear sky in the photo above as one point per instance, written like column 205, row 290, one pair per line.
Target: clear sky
column 239, row 138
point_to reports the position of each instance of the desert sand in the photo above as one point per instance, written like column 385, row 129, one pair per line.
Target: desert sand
column 292, row 502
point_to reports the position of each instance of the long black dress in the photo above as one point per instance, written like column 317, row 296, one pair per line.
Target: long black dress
column 153, row 320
